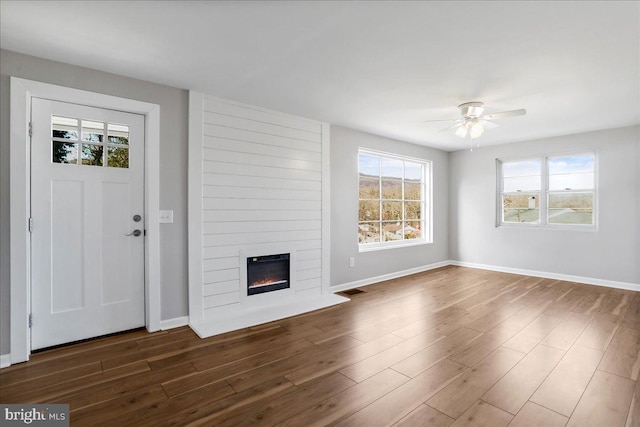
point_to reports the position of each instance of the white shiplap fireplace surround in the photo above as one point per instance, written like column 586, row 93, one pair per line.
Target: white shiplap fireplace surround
column 258, row 185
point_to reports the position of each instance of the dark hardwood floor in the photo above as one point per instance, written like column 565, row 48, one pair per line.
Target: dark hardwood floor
column 453, row 346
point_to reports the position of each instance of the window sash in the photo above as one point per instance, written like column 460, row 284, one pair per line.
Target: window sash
column 544, row 196
column 372, row 229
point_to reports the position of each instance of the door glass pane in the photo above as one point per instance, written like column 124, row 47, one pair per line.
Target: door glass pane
column 65, row 128
column 571, row 208
column 368, row 232
column 118, row 134
column 92, row 131
column 118, row 157
column 65, row 152
column 92, row 154
column 521, row 208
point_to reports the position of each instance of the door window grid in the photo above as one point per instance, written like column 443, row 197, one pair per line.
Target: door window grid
column 92, row 148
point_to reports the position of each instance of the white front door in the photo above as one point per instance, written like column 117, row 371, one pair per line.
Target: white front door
column 87, row 240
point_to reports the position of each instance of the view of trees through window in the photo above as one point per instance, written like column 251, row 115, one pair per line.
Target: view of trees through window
column 391, row 199
column 564, row 192
column 75, row 139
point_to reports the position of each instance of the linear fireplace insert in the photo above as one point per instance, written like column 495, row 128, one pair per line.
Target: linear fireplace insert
column 267, row 273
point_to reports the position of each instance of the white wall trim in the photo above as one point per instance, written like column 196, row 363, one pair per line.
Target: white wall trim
column 523, row 272
column 5, row 360
column 194, row 194
column 153, row 298
column 547, row 275
column 176, row 322
column 389, row 276
column 22, row 91
column 326, row 208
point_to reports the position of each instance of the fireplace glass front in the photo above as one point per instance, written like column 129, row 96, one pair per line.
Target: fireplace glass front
column 267, row 273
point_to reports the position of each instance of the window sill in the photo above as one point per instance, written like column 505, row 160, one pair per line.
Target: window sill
column 382, row 247
column 559, row 227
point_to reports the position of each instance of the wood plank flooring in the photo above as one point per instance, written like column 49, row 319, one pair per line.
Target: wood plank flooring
column 448, row 347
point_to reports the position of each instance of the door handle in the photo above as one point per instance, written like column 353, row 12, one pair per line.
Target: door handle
column 134, row 233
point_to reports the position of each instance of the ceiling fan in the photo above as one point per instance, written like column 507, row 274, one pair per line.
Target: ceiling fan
column 474, row 122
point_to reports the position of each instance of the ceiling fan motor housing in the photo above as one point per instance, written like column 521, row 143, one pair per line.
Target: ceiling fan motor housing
column 471, row 109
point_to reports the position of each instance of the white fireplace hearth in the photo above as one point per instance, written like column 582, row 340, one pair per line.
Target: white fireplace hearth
column 229, row 319
column 264, row 307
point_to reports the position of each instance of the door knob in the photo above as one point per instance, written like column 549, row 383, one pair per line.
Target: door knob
column 134, row 233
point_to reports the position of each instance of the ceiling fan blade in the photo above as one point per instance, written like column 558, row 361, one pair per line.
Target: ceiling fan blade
column 503, row 114
column 453, row 126
column 445, row 120
column 487, row 124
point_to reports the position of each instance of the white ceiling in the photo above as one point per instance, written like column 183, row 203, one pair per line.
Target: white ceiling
column 381, row 67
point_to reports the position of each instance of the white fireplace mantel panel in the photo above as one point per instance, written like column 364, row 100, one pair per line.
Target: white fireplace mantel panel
column 258, row 181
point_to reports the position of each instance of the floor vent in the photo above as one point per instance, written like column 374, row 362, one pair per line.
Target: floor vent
column 353, row 292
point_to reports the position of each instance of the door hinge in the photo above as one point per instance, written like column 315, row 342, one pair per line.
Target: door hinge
column 30, row 320
column 30, row 129
column 30, row 225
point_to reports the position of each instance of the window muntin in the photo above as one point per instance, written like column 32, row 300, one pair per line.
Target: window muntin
column 554, row 191
column 392, row 200
column 93, row 149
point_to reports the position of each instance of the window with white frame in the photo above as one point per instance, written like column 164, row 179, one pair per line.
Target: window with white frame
column 552, row 190
column 394, row 192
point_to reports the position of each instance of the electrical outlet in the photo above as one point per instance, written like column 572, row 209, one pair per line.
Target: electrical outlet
column 352, row 262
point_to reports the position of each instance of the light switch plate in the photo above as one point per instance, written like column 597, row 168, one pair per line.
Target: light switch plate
column 166, row 217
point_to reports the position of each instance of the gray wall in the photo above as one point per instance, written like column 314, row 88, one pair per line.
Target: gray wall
column 610, row 253
column 173, row 168
column 344, row 209
column 464, row 186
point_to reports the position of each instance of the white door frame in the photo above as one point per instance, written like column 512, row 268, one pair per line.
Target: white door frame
column 22, row 91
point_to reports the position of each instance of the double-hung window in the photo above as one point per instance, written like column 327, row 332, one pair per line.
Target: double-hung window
column 548, row 191
column 394, row 196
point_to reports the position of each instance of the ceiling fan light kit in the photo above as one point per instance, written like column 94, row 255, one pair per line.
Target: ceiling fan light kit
column 461, row 131
column 473, row 122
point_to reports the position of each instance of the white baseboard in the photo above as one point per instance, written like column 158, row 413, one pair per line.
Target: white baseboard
column 523, row 272
column 389, row 276
column 555, row 276
column 5, row 360
column 176, row 322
